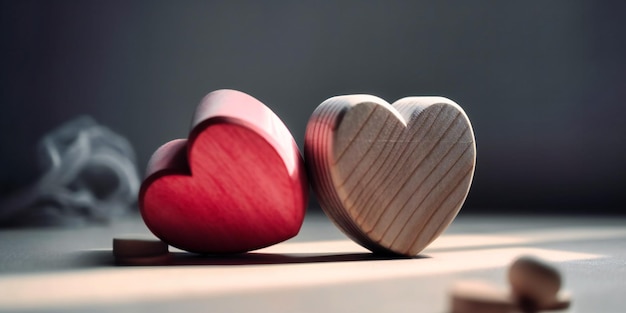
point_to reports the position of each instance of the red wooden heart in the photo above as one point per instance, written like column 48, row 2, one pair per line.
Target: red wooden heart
column 237, row 184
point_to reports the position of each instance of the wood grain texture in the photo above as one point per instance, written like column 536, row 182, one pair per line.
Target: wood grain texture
column 392, row 177
column 237, row 184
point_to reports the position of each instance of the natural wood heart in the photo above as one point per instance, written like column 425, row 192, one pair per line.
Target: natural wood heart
column 392, row 177
column 237, row 184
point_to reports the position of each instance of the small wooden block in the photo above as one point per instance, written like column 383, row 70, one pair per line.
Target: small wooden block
column 392, row 177
column 133, row 251
column 133, row 247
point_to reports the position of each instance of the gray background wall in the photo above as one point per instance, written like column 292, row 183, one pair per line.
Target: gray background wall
column 542, row 81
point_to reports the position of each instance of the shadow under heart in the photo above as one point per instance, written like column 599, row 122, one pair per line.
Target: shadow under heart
column 105, row 258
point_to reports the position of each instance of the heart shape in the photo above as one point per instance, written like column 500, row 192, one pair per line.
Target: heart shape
column 392, row 177
column 237, row 184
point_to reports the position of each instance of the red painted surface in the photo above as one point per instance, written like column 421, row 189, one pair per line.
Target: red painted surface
column 237, row 184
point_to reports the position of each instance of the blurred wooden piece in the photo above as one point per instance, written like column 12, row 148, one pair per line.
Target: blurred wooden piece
column 534, row 288
column 392, row 177
column 477, row 296
column 535, row 285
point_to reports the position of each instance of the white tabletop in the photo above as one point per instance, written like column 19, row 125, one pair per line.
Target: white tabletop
column 320, row 270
